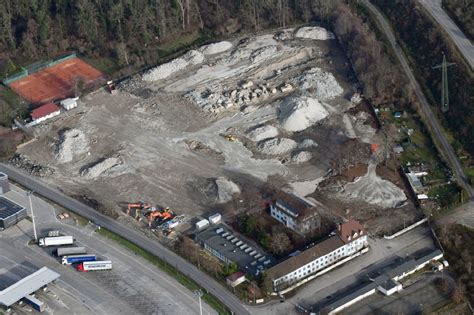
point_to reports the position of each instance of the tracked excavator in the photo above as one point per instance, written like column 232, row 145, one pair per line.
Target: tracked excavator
column 139, row 207
column 161, row 216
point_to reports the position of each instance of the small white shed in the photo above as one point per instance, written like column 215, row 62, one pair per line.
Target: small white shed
column 69, row 103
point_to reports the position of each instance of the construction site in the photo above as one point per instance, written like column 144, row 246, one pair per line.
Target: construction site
column 196, row 134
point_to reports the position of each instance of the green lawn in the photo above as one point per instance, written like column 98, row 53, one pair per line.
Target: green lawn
column 169, row 269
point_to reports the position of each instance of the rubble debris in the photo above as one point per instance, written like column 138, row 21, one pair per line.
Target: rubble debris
column 277, row 146
column 301, row 157
column 286, row 88
column 307, row 143
column 263, row 53
column 374, row 190
column 192, row 57
column 71, row 144
column 103, row 167
column 226, row 189
column 314, row 32
column 31, row 167
column 300, row 112
column 204, row 149
column 284, row 35
column 262, row 133
column 216, row 48
column 323, row 83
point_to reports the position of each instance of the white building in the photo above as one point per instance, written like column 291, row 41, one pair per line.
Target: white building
column 295, row 213
column 349, row 239
column 69, row 103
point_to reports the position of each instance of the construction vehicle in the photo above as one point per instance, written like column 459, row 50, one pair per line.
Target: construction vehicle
column 231, row 138
column 162, row 216
column 139, row 207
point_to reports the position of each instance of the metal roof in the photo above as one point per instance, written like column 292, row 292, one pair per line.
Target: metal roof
column 8, row 208
column 27, row 285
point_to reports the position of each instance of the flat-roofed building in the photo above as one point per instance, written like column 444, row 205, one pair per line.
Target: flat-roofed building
column 10, row 212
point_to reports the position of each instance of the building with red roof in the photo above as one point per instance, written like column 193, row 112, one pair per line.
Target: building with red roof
column 44, row 112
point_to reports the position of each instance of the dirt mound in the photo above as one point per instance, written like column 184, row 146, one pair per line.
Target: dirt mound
column 192, row 57
column 325, row 84
column 300, row 112
column 226, row 189
column 263, row 53
column 277, row 146
column 104, row 167
column 32, row 167
column 374, row 190
column 301, row 157
column 72, row 143
column 216, row 48
column 262, row 133
column 314, row 32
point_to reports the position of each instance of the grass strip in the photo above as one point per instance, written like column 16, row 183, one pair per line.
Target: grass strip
column 169, row 269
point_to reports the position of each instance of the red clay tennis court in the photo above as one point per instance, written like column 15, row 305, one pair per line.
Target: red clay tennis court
column 56, row 82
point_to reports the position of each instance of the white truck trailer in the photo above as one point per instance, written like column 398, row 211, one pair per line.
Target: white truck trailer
column 94, row 265
column 55, row 241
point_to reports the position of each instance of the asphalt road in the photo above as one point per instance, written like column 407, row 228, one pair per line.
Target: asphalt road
column 205, row 281
column 458, row 37
column 430, row 117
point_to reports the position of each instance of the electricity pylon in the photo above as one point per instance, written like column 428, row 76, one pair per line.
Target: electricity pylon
column 444, row 82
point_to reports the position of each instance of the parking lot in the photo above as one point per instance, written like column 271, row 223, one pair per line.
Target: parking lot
column 134, row 286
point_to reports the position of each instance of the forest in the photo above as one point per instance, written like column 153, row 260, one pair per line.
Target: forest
column 462, row 12
column 426, row 43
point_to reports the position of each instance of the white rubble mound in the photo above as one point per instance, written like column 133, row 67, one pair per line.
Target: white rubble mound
column 323, row 82
column 262, row 133
column 307, row 143
column 300, row 112
column 276, row 146
column 263, row 53
column 192, row 57
column 374, row 190
column 316, row 32
column 301, row 157
column 226, row 189
column 216, row 48
column 103, row 167
column 72, row 143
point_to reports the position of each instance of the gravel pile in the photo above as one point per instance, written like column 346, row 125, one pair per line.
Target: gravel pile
column 226, row 189
column 262, row 133
column 33, row 168
column 131, row 84
column 192, row 57
column 216, row 48
column 277, row 146
column 307, row 143
column 301, row 157
column 325, row 84
column 72, row 143
column 300, row 112
column 315, row 32
column 102, row 167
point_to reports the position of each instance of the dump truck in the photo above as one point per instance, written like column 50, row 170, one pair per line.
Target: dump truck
column 63, row 251
column 74, row 259
column 55, row 241
column 94, row 265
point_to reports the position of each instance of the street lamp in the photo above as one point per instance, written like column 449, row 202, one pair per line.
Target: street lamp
column 199, row 294
column 32, row 215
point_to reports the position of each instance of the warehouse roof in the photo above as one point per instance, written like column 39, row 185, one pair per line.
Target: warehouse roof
column 27, row 285
column 44, row 110
column 8, row 208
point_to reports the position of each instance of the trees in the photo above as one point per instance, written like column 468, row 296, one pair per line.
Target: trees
column 279, row 242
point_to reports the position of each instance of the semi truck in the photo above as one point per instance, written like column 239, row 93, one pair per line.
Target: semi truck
column 94, row 265
column 74, row 259
column 55, row 241
column 63, row 251
column 34, row 303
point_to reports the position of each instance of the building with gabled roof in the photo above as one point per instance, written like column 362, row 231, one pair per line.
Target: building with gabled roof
column 44, row 112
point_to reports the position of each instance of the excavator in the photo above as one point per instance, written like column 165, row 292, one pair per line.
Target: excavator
column 161, row 216
column 138, row 206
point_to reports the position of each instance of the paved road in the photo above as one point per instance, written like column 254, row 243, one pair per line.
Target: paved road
column 205, row 281
column 458, row 37
column 426, row 111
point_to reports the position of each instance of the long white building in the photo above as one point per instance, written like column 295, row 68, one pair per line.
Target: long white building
column 349, row 239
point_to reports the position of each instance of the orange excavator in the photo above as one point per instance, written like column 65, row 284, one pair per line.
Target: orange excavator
column 138, row 206
column 162, row 216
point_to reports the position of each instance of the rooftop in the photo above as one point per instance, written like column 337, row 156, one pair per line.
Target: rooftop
column 44, row 110
column 305, row 257
column 350, row 230
column 236, row 248
column 26, row 286
column 236, row 275
column 291, row 203
column 8, row 208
